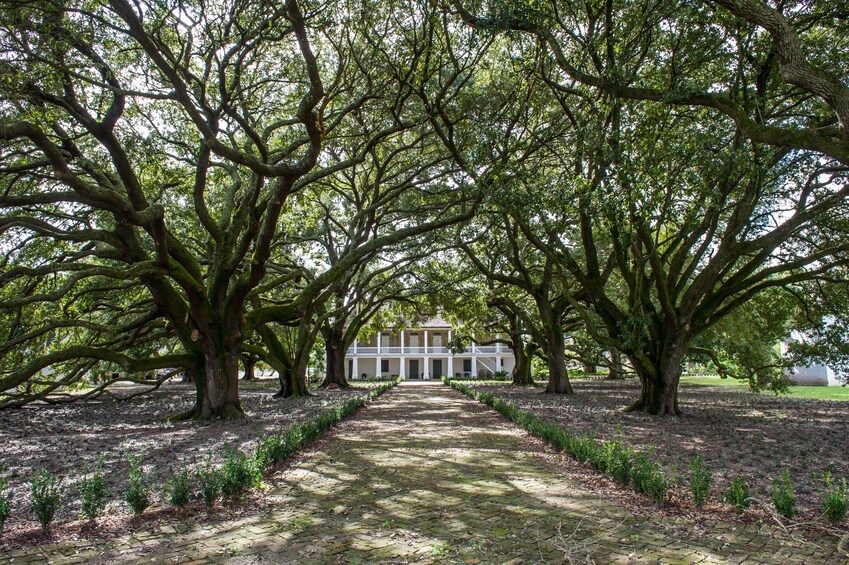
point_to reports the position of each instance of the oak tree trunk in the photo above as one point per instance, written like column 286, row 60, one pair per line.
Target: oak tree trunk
column 293, row 381
column 335, row 349
column 249, row 363
column 558, row 375
column 523, row 355
column 659, row 379
column 221, row 387
column 617, row 372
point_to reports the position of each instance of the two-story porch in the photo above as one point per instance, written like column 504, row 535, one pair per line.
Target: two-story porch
column 422, row 353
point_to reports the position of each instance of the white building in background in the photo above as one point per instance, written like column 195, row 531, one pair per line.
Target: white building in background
column 809, row 374
column 422, row 353
column 813, row 375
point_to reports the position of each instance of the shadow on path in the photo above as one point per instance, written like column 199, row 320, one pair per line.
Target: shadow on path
column 424, row 474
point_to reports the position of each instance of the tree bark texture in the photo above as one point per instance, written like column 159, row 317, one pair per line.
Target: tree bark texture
column 659, row 377
column 335, row 349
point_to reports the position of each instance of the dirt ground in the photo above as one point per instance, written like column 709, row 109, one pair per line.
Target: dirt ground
column 734, row 431
column 65, row 439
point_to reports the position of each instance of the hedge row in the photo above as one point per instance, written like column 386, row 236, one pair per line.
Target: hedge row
column 238, row 472
column 610, row 457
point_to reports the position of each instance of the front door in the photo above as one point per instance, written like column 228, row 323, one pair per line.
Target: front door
column 437, row 368
column 414, row 343
column 467, row 367
column 414, row 369
column 351, row 374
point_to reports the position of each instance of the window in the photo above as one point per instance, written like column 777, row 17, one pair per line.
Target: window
column 384, row 366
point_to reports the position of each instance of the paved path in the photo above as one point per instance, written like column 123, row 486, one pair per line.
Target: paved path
column 426, row 475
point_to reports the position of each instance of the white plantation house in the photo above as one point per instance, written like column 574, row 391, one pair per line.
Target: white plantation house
column 422, row 353
column 812, row 374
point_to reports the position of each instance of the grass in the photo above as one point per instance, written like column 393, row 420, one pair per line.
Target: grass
column 812, row 392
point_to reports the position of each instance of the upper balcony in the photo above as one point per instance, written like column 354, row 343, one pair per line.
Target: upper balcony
column 421, row 350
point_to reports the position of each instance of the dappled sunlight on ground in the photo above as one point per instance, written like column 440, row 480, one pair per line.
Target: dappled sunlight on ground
column 734, row 431
column 426, row 475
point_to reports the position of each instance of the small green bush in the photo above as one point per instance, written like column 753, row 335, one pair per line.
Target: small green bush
column 700, row 481
column 619, row 461
column 5, row 504
column 179, row 490
column 210, row 482
column 647, row 476
column 270, row 450
column 610, row 457
column 586, row 449
column 834, row 501
column 46, row 492
column 784, row 496
column 737, row 494
column 238, row 473
column 137, row 494
column 93, row 492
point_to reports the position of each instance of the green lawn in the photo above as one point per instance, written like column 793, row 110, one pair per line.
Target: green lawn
column 816, row 392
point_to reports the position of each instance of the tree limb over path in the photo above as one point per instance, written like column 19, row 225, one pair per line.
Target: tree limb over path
column 817, row 135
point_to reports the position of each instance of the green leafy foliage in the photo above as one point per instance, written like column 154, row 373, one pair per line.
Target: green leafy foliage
column 737, row 494
column 137, row 494
column 784, row 496
column 648, row 477
column 179, row 490
column 270, row 450
column 834, row 501
column 700, row 481
column 46, row 494
column 93, row 492
column 209, row 478
column 619, row 461
column 239, row 472
column 5, row 505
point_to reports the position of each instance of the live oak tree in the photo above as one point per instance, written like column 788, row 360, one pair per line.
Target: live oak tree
column 680, row 216
column 720, row 55
column 652, row 167
column 402, row 185
column 504, row 256
column 693, row 236
column 159, row 144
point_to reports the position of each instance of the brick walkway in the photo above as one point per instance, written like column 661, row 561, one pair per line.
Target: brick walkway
column 426, row 475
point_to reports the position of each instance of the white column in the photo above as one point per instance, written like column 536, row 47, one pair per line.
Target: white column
column 377, row 371
column 355, row 372
column 498, row 344
column 450, row 367
column 378, row 343
column 499, row 364
column 355, row 346
column 425, row 343
column 474, row 366
column 403, row 371
column 402, row 341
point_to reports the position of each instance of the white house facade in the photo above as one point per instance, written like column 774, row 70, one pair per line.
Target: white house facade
column 813, row 375
column 422, row 353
